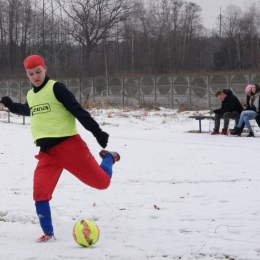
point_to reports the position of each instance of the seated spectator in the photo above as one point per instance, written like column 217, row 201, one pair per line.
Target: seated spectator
column 251, row 91
column 250, row 113
column 231, row 108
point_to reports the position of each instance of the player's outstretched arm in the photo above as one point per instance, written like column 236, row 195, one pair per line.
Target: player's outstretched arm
column 16, row 108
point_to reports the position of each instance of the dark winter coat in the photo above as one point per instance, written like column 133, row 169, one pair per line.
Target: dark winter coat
column 250, row 103
column 229, row 104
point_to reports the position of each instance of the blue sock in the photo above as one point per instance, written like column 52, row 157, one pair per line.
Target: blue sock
column 44, row 214
column 107, row 164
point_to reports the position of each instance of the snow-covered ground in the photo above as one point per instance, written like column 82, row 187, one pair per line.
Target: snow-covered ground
column 174, row 194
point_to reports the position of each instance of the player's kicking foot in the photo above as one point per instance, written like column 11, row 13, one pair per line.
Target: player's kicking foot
column 114, row 155
column 45, row 238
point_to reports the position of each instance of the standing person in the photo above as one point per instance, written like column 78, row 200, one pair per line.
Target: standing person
column 231, row 108
column 53, row 109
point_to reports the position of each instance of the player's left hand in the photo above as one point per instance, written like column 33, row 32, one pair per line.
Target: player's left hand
column 102, row 138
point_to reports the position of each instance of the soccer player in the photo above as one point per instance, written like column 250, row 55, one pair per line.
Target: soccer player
column 53, row 110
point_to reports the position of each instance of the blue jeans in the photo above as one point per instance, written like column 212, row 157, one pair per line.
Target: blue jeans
column 245, row 117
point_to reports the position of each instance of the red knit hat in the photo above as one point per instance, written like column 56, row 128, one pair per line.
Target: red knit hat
column 33, row 61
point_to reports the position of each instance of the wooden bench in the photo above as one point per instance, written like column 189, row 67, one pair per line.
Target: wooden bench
column 201, row 118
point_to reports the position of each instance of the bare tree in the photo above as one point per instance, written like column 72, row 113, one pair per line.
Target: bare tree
column 148, row 22
column 191, row 27
column 13, row 9
column 249, row 36
column 26, row 19
column 3, row 35
column 231, row 29
column 177, row 8
column 92, row 21
column 257, row 32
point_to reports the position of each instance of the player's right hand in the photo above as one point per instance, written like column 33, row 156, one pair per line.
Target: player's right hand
column 7, row 102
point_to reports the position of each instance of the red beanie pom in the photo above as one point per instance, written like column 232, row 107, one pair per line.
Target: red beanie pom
column 33, row 61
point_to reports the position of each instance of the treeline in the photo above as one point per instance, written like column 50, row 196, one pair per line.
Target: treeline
column 81, row 38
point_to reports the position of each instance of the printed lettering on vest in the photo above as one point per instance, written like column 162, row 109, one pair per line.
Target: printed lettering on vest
column 40, row 109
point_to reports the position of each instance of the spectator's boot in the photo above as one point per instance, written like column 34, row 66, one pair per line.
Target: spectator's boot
column 250, row 134
column 241, row 129
column 257, row 119
column 224, row 131
column 236, row 131
column 215, row 132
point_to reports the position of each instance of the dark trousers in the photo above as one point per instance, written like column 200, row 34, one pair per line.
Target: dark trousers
column 226, row 116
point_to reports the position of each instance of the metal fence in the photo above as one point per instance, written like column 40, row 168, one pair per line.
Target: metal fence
column 168, row 92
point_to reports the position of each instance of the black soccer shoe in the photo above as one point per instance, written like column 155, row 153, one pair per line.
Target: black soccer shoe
column 114, row 155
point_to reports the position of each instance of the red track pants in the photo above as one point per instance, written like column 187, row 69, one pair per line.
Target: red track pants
column 72, row 155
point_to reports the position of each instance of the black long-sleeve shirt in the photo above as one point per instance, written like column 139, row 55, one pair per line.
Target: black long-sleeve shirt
column 64, row 96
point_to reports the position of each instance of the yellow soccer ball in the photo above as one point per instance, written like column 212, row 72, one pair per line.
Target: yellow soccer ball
column 86, row 232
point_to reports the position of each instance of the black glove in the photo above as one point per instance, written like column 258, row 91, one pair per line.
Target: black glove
column 102, row 137
column 7, row 102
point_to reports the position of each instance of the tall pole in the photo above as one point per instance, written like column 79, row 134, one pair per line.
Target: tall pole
column 43, row 27
column 220, row 24
column 52, row 41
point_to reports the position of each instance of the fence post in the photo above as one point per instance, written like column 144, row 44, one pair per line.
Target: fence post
column 80, row 89
column 20, row 91
column 93, row 87
column 155, row 85
column 138, row 91
column 189, row 90
column 172, row 91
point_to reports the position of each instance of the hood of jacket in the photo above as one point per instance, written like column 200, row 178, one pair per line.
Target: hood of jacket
column 228, row 92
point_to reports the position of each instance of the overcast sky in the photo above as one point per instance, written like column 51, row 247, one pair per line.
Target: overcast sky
column 211, row 9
